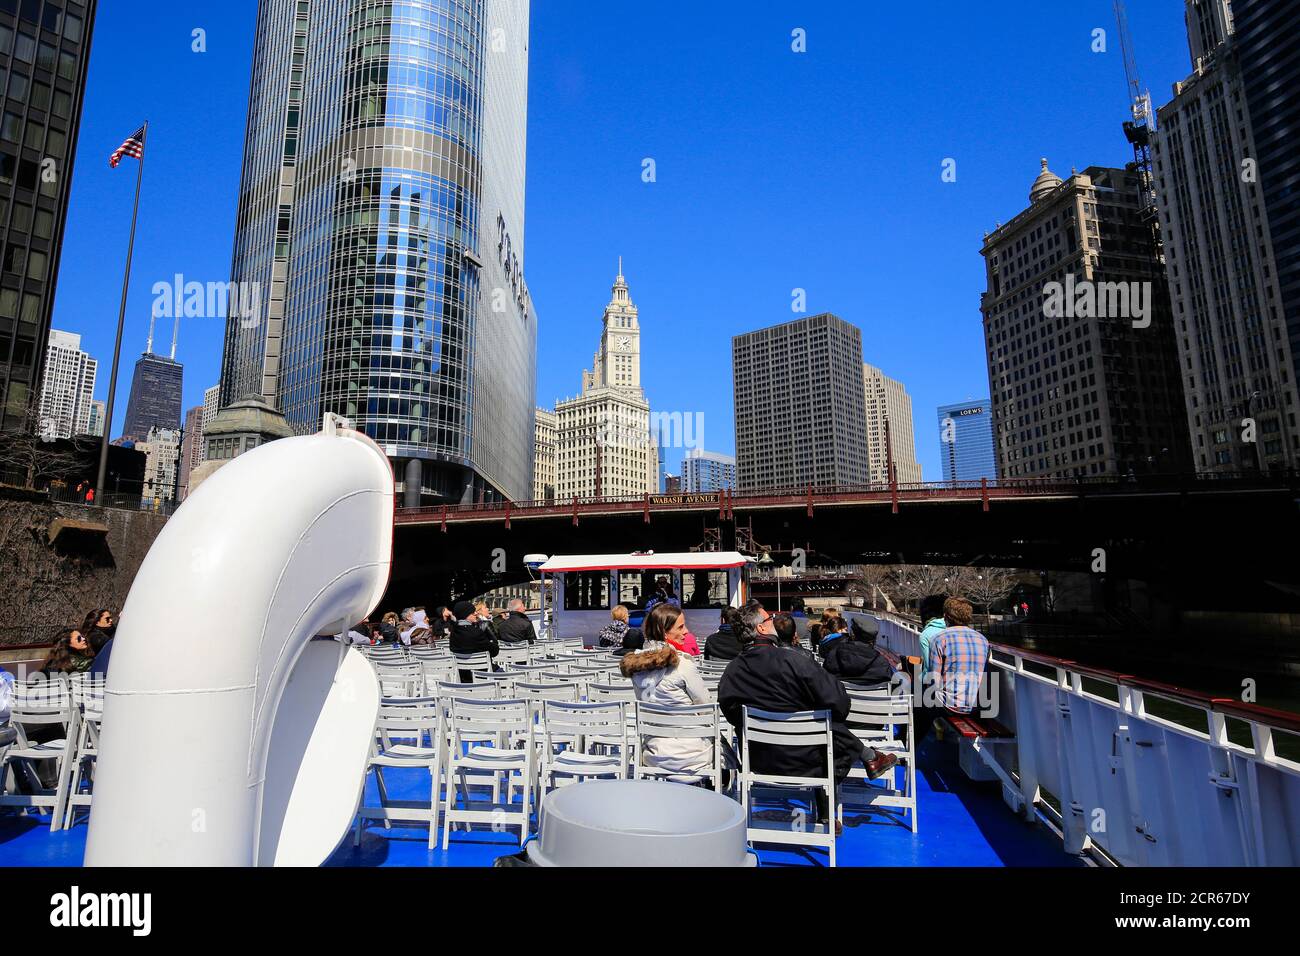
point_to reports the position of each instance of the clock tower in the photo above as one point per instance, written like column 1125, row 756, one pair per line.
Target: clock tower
column 618, row 362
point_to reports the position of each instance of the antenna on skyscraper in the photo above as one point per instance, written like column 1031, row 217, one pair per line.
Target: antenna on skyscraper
column 148, row 346
column 176, row 331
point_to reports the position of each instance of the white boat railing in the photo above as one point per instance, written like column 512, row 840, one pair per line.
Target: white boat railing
column 1145, row 789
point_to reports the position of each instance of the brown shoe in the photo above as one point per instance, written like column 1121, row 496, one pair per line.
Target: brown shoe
column 882, row 763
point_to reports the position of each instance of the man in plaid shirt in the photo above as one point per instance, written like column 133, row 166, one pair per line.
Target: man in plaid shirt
column 958, row 656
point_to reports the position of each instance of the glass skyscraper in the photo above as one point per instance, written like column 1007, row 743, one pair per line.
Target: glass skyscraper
column 44, row 52
column 379, row 248
column 705, row 471
column 966, row 441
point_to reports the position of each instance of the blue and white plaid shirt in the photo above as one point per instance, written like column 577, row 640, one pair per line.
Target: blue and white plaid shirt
column 958, row 656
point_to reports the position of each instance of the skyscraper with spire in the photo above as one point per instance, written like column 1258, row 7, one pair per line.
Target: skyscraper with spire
column 155, row 400
column 604, row 444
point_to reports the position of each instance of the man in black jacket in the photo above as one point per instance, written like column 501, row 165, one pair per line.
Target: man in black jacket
column 516, row 629
column 769, row 677
column 853, row 657
column 469, row 636
column 724, row 643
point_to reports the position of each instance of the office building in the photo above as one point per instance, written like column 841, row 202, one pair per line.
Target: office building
column 672, row 484
column 191, row 446
column 544, row 456
column 162, row 450
column 966, row 441
column 1082, row 360
column 1268, row 50
column 44, row 54
column 603, row 442
column 888, row 410
column 96, row 426
column 379, row 247
column 705, row 471
column 800, row 405
column 67, row 387
column 1229, row 313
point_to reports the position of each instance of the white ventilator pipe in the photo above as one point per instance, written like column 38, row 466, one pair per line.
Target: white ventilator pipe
column 236, row 732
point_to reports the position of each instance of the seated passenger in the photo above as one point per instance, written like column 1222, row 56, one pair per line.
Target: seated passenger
column 852, row 656
column 958, row 656
column 662, row 675
column 787, row 635
column 633, row 640
column 767, row 677
column 516, row 629
column 71, row 654
column 724, row 643
column 611, row 635
column 470, row 636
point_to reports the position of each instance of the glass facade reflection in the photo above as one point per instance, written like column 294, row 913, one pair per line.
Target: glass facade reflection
column 380, row 235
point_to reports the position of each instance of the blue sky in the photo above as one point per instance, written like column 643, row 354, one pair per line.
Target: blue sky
column 775, row 170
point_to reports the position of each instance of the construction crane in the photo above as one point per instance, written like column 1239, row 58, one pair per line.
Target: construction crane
column 1139, row 129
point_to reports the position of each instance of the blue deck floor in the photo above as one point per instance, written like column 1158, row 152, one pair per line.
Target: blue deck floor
column 961, row 823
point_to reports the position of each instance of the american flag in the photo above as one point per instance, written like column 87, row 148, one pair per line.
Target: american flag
column 133, row 147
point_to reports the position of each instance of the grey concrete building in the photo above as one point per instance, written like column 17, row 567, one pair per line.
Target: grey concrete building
column 1237, row 364
column 1083, row 373
column 800, row 405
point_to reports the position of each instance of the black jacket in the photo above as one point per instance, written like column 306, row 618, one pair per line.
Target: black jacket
column 780, row 679
column 516, row 629
column 722, row 645
column 470, row 638
column 850, row 659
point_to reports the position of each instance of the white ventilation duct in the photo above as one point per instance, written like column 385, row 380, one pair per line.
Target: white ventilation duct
column 233, row 736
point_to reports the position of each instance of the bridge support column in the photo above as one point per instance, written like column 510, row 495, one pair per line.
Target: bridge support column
column 412, row 479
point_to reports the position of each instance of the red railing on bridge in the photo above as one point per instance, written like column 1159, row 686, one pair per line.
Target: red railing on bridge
column 726, row 502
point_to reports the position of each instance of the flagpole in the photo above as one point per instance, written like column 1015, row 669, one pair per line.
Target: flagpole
column 121, row 320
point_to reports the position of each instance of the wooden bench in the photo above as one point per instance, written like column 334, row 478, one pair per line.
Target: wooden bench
column 974, row 734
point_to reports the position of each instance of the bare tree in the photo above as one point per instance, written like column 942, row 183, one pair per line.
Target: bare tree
column 985, row 587
column 32, row 455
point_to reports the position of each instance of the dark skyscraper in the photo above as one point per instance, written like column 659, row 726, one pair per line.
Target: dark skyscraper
column 44, row 49
column 1268, row 47
column 155, row 396
column 380, row 235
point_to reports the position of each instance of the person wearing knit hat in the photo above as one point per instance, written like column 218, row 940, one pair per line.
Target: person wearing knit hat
column 468, row 636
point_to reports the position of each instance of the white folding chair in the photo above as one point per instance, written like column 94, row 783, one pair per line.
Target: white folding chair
column 875, row 720
column 805, row 728
column 514, row 654
column 478, row 661
column 88, row 698
column 40, row 703
column 573, row 733
column 400, row 680
column 505, row 721
column 401, row 731
column 679, row 722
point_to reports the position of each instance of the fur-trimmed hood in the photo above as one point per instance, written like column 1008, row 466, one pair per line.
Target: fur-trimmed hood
column 654, row 657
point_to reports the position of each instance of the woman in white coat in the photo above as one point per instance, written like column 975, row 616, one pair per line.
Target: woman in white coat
column 660, row 674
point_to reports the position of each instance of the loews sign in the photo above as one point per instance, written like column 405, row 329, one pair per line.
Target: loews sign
column 977, row 410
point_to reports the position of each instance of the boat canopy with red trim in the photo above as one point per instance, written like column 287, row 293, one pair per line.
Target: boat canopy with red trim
column 668, row 560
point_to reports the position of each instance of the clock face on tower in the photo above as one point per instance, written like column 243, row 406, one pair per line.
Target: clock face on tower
column 624, row 343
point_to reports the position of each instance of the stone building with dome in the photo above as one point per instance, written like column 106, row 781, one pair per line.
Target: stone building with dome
column 239, row 427
column 1091, row 390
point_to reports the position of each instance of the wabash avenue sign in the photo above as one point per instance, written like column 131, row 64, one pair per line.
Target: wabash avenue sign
column 703, row 499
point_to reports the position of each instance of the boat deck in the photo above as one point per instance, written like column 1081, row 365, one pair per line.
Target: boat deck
column 961, row 823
